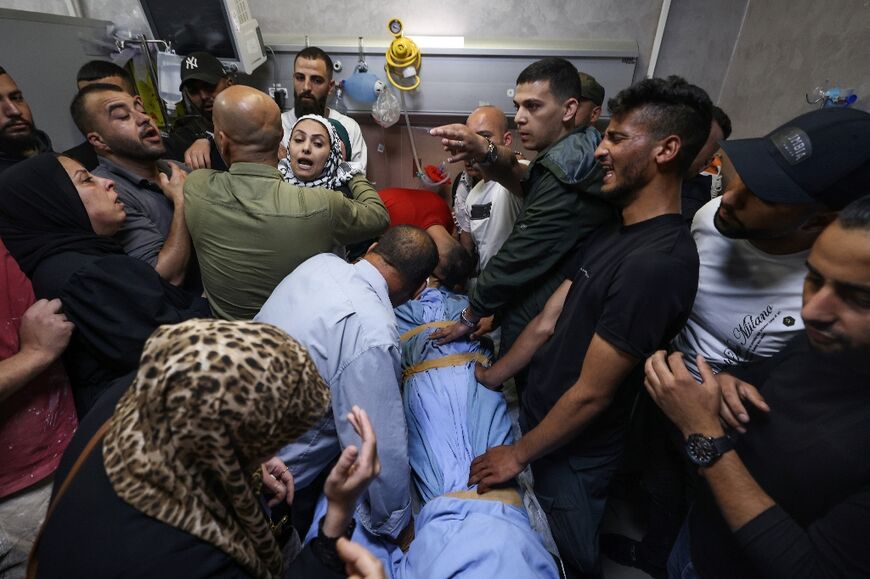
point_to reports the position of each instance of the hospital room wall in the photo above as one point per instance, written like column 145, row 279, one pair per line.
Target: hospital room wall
column 788, row 47
column 755, row 58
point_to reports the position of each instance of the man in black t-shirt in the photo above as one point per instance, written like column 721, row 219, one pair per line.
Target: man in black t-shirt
column 629, row 289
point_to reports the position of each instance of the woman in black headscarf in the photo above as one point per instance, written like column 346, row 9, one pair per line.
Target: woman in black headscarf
column 57, row 220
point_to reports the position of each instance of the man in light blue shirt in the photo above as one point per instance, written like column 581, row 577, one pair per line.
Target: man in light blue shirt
column 343, row 314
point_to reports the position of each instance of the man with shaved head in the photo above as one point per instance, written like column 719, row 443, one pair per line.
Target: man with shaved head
column 250, row 228
column 487, row 212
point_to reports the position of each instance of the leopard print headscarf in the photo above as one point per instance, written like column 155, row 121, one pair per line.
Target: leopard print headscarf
column 212, row 399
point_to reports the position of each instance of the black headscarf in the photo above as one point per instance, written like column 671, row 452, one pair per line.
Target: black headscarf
column 41, row 214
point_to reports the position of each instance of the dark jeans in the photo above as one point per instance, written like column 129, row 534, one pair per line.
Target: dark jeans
column 572, row 492
column 680, row 564
column 669, row 481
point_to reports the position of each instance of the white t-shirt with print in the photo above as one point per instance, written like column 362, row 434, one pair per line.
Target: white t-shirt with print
column 489, row 211
column 748, row 303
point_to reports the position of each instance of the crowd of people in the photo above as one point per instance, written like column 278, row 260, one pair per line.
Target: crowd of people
column 224, row 353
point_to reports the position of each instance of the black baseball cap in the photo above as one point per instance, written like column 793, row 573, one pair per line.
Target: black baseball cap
column 822, row 156
column 201, row 66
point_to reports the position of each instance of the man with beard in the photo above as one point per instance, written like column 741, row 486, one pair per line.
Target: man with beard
column 130, row 151
column 19, row 139
column 754, row 239
column 790, row 496
column 92, row 72
column 629, row 290
column 312, row 83
column 203, row 77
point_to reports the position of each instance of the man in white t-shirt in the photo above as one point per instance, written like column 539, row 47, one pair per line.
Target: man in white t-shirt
column 486, row 213
column 312, row 83
column 779, row 193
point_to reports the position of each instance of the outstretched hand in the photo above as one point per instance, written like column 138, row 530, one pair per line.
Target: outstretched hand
column 351, row 475
column 456, row 331
column 496, row 466
column 359, row 562
column 462, row 143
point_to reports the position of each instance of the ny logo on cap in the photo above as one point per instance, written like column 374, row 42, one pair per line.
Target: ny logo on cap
column 190, row 62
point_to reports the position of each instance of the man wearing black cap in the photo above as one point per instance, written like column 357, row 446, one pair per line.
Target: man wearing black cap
column 779, row 193
column 202, row 78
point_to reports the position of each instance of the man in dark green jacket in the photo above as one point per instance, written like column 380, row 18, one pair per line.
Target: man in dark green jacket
column 557, row 212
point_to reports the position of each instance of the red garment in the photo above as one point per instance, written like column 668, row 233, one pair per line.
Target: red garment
column 416, row 207
column 38, row 420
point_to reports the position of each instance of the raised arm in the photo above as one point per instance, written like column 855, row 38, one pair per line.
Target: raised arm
column 361, row 218
column 175, row 254
column 533, row 336
column 463, row 144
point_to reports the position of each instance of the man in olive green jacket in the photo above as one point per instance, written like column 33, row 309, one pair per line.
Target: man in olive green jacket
column 557, row 213
column 249, row 227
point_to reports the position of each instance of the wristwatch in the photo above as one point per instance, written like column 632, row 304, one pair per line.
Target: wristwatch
column 705, row 450
column 467, row 320
column 491, row 153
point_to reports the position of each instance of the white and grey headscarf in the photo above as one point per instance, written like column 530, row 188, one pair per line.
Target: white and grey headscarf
column 335, row 172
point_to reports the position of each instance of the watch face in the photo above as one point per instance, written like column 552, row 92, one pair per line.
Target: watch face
column 701, row 449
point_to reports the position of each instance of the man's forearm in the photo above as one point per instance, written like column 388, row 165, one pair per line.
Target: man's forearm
column 175, row 254
column 467, row 242
column 604, row 369
column 361, row 218
column 533, row 336
column 739, row 497
column 564, row 422
column 19, row 369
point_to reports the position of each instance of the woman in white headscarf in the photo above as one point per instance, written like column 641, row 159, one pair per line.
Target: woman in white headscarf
column 314, row 156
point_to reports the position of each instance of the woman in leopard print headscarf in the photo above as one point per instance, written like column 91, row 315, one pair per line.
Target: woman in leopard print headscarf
column 210, row 402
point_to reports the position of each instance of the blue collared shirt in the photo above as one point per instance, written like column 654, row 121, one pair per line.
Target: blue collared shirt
column 343, row 315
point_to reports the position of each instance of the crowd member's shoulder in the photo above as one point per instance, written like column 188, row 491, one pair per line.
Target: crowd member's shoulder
column 572, row 159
